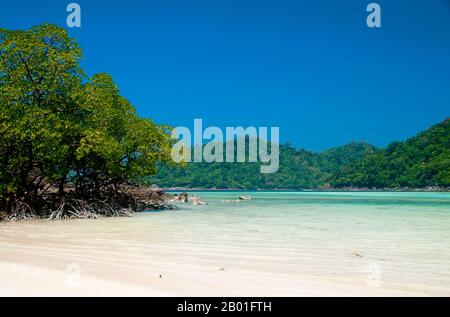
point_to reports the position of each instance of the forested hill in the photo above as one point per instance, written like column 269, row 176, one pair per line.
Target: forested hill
column 421, row 161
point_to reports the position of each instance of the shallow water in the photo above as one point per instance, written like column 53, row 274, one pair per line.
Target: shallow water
column 382, row 239
column 400, row 237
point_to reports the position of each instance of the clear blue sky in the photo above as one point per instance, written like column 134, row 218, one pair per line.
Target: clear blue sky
column 313, row 68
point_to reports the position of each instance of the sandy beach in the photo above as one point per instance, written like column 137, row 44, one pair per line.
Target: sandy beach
column 218, row 250
column 44, row 259
column 27, row 280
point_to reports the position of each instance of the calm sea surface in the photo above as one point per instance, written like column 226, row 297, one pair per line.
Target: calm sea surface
column 398, row 240
column 397, row 237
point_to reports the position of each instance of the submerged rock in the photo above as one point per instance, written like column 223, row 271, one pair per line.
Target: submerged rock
column 148, row 198
column 183, row 197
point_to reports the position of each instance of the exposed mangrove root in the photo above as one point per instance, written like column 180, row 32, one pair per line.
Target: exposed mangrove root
column 19, row 211
column 107, row 203
column 90, row 209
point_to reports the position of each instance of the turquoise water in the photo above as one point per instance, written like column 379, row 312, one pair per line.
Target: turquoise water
column 396, row 242
column 404, row 236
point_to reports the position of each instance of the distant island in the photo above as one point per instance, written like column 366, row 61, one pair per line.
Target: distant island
column 72, row 146
column 419, row 163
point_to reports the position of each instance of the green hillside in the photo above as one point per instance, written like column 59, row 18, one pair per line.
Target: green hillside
column 421, row 161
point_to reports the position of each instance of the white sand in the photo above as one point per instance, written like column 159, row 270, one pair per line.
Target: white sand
column 113, row 257
column 27, row 280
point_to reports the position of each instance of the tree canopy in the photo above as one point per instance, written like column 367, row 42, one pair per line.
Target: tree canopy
column 419, row 162
column 59, row 126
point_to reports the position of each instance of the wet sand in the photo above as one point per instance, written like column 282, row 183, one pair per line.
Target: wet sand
column 274, row 245
column 97, row 258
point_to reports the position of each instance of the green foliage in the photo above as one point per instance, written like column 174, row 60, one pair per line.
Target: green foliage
column 298, row 169
column 58, row 126
column 115, row 145
column 419, row 162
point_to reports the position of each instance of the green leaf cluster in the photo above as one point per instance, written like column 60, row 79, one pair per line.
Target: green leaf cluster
column 58, row 126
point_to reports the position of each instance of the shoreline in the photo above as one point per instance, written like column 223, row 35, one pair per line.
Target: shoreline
column 134, row 199
column 93, row 261
column 230, row 250
column 164, row 199
column 337, row 190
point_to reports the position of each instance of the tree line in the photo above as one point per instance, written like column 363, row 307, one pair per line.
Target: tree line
column 60, row 127
column 422, row 161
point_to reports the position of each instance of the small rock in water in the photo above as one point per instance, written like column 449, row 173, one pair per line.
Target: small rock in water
column 184, row 197
column 160, row 276
column 221, row 269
